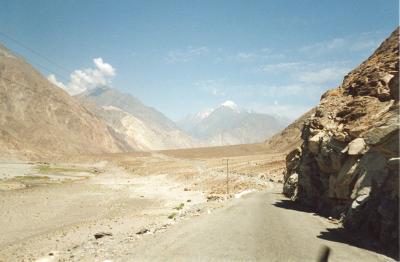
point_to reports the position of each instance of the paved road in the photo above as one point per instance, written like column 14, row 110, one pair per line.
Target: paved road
column 251, row 228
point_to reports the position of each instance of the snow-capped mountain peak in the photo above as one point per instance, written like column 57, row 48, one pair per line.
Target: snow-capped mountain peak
column 229, row 124
column 230, row 104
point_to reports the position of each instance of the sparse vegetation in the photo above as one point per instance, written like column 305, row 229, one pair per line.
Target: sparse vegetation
column 181, row 205
column 172, row 215
column 47, row 169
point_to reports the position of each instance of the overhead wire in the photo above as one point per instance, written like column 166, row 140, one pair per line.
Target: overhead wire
column 35, row 52
column 50, row 61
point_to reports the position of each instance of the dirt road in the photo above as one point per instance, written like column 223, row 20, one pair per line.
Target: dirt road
column 252, row 228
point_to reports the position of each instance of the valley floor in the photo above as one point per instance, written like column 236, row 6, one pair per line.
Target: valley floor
column 154, row 206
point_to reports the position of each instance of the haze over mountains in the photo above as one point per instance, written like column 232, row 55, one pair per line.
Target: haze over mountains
column 38, row 118
column 230, row 124
column 145, row 128
column 140, row 126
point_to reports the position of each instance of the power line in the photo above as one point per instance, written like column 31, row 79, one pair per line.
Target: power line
column 52, row 72
column 36, row 52
column 36, row 63
column 43, row 67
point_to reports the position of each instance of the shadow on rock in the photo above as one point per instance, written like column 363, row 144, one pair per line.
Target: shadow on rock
column 342, row 235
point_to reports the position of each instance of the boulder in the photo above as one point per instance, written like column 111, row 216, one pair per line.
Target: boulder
column 372, row 172
column 315, row 141
column 357, row 147
column 290, row 186
column 381, row 133
column 292, row 160
column 345, row 178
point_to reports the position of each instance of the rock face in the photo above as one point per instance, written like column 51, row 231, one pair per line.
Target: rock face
column 348, row 164
column 39, row 119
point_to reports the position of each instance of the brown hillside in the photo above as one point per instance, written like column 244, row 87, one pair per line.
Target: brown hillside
column 38, row 119
column 290, row 137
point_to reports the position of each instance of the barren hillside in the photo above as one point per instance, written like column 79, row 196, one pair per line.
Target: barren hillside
column 289, row 138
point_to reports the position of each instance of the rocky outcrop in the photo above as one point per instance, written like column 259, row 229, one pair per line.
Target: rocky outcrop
column 348, row 164
column 290, row 137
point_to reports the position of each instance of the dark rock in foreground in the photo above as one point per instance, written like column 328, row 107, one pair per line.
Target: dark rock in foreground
column 348, row 164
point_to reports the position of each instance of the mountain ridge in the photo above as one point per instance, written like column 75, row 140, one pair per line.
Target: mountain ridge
column 230, row 124
column 140, row 126
column 39, row 119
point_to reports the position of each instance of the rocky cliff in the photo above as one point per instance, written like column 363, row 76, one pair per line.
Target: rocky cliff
column 348, row 163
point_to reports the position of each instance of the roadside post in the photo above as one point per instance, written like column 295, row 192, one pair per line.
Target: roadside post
column 227, row 174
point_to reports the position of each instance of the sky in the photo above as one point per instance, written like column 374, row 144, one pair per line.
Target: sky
column 182, row 57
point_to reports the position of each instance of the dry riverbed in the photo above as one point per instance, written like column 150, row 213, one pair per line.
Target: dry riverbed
column 98, row 208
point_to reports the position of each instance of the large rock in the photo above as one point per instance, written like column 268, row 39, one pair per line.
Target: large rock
column 290, row 186
column 348, row 165
column 315, row 141
column 345, row 177
column 379, row 134
column 357, row 146
column 372, row 172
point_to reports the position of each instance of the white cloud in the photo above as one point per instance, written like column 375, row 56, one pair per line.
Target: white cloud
column 52, row 78
column 177, row 56
column 324, row 75
column 86, row 79
column 105, row 68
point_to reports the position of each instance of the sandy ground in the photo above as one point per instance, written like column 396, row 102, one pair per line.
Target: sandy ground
column 52, row 212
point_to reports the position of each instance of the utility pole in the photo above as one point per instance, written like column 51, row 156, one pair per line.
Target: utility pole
column 227, row 174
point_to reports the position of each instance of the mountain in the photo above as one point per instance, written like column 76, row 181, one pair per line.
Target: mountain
column 348, row 164
column 290, row 137
column 39, row 119
column 140, row 126
column 229, row 124
column 190, row 121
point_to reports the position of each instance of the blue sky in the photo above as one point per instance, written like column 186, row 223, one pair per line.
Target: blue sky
column 184, row 56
